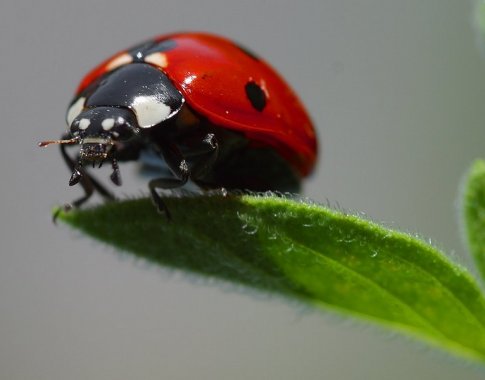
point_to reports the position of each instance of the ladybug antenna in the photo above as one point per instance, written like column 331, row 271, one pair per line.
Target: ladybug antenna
column 48, row 142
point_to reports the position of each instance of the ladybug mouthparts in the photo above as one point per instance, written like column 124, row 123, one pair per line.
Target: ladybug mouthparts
column 95, row 149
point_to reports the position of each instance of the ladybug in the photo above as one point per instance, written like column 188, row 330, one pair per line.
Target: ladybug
column 200, row 105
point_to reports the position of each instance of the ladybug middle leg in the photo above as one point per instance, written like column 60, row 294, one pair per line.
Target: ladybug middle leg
column 202, row 157
column 179, row 167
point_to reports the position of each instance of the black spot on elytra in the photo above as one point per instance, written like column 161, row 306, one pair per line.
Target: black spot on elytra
column 248, row 52
column 255, row 95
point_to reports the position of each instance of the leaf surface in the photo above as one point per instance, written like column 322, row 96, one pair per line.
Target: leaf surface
column 305, row 252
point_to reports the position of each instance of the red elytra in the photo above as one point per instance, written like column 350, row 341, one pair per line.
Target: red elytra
column 211, row 72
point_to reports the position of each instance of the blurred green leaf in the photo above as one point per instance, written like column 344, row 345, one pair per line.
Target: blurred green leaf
column 305, row 252
column 474, row 213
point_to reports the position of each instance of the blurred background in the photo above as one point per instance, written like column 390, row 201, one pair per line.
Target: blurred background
column 397, row 91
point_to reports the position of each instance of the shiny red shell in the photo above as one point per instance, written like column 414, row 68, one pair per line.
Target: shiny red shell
column 211, row 72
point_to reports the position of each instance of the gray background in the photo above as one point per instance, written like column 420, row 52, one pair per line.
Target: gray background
column 397, row 90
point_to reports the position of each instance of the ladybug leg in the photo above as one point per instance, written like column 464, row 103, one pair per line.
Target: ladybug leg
column 120, row 153
column 178, row 165
column 88, row 183
column 204, row 156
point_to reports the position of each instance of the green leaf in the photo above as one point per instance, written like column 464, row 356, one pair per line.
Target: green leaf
column 305, row 252
column 474, row 213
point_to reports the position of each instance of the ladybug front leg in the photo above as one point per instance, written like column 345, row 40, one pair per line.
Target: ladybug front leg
column 87, row 182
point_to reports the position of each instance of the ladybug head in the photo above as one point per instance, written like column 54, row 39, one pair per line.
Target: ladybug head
column 99, row 131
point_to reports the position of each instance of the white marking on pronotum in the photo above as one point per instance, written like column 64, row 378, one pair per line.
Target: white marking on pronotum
column 75, row 110
column 149, row 111
column 84, row 123
column 122, row 59
column 157, row 59
column 107, row 124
